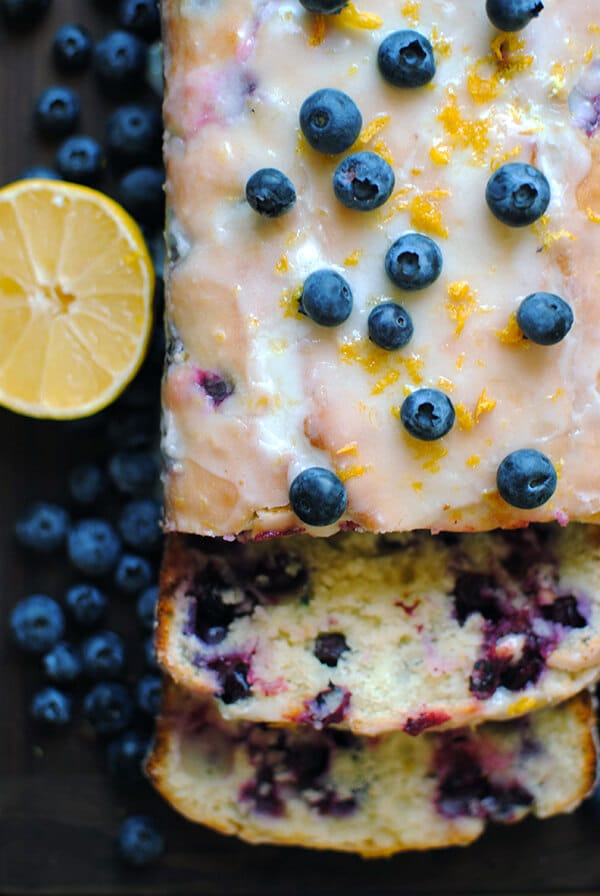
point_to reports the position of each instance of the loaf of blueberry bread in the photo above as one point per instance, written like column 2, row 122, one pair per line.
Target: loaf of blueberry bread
column 330, row 789
column 377, row 633
column 382, row 286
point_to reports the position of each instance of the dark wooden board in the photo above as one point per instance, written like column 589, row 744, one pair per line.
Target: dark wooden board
column 58, row 812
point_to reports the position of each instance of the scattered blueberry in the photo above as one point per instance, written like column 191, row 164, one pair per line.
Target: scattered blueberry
column 36, row 623
column 512, row 15
column 22, row 15
column 87, row 483
column 544, row 318
column 86, row 604
column 325, row 7
column 133, row 136
column 526, row 478
column 42, row 527
column 363, row 181
column 103, row 655
column 141, row 17
column 318, row 497
column 71, row 48
column 139, row 524
column 141, row 193
column 413, row 261
column 330, row 121
column 405, row 59
column 517, row 194
column 42, row 171
column 63, row 663
column 108, row 707
column 140, row 842
column 120, row 63
column 133, row 472
column 133, row 573
column 150, row 657
column 427, row 414
column 51, row 707
column 146, row 607
column 329, row 646
column 326, row 298
column 390, row 326
column 80, row 159
column 270, row 193
column 57, row 111
column 147, row 694
column 93, row 547
column 125, row 755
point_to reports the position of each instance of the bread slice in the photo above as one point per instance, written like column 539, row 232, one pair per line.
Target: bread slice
column 332, row 790
column 379, row 634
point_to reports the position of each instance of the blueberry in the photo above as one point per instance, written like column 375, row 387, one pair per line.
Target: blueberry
column 141, row 193
column 108, row 707
column 51, row 707
column 22, row 14
column 87, row 483
column 86, row 604
column 132, row 430
column 57, row 111
column 147, row 693
column 132, row 573
column 141, row 17
column 363, row 181
column 139, row 842
column 318, row 497
column 390, row 326
column 512, row 15
column 329, row 646
column 325, row 7
column 71, row 48
column 93, row 547
column 270, row 193
column 120, row 63
column 80, row 159
column 146, row 607
column 413, row 261
column 36, row 623
column 63, row 663
column 133, row 472
column 133, row 136
column 427, row 414
column 139, row 524
column 330, row 120
column 545, row 318
column 405, row 59
column 42, row 527
column 41, row 171
column 150, row 657
column 517, row 194
column 526, row 479
column 326, row 298
column 125, row 755
column 103, row 655
column 233, row 679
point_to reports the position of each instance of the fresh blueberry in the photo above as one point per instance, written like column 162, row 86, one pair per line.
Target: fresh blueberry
column 141, row 193
column 63, row 663
column 325, row 7
column 390, row 326
column 147, row 694
column 405, row 59
column 141, row 17
column 125, row 755
column 36, row 623
column 42, row 527
column 42, row 171
column 86, row 604
column 146, row 607
column 326, row 298
column 329, row 646
column 363, row 181
column 108, row 707
column 132, row 573
column 133, row 136
column 22, row 15
column 87, row 483
column 80, row 159
column 427, row 414
column 330, row 120
column 139, row 524
column 133, row 472
column 140, row 842
column 120, row 63
column 150, row 657
column 318, row 497
column 51, row 707
column 57, row 111
column 71, row 48
column 93, row 547
column 512, row 15
column 517, row 194
column 103, row 655
column 545, row 318
column 526, row 479
column 413, row 261
column 270, row 193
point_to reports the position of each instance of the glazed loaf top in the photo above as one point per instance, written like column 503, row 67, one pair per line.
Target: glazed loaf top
column 255, row 390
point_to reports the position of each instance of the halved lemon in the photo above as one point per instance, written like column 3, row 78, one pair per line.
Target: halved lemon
column 76, row 289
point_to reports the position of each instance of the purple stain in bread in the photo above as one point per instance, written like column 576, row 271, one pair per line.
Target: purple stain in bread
column 417, row 724
column 263, row 793
column 307, row 762
column 232, row 674
column 329, row 707
column 476, row 592
column 330, row 803
column 214, row 385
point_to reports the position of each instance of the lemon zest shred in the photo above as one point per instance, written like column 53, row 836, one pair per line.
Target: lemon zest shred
column 352, row 17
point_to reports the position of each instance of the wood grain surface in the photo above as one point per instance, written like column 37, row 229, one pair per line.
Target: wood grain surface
column 58, row 811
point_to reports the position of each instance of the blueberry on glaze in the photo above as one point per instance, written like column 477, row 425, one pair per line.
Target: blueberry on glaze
column 329, row 646
column 405, row 59
column 326, row 298
column 318, row 497
column 526, row 479
column 414, row 261
column 390, row 326
column 330, row 121
column 363, row 181
column 270, row 192
column 518, row 194
column 427, row 414
column 545, row 318
column 325, row 7
column 512, row 15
